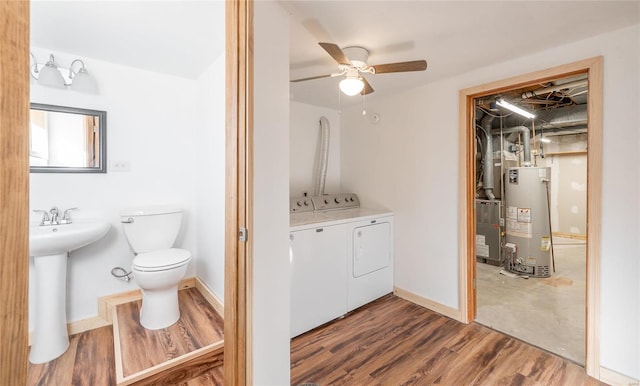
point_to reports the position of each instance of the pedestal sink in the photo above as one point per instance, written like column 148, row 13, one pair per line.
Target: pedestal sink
column 50, row 245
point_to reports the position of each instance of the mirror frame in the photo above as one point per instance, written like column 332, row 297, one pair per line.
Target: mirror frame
column 102, row 137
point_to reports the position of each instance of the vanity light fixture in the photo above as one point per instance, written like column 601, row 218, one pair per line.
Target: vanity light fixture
column 514, row 108
column 52, row 75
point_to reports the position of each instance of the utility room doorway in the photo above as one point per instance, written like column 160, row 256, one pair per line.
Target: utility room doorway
column 531, row 150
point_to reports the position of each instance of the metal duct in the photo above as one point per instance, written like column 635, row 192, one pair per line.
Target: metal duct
column 526, row 140
column 552, row 119
column 487, row 159
column 565, row 117
column 547, row 90
column 323, row 157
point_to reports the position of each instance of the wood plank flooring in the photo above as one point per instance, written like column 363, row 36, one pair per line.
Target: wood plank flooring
column 142, row 348
column 90, row 359
column 395, row 342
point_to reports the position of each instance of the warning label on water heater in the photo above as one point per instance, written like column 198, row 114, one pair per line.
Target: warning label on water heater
column 519, row 229
column 524, row 214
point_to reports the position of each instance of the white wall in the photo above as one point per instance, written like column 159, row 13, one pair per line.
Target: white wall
column 151, row 123
column 304, row 142
column 270, row 231
column 568, row 183
column 409, row 163
column 210, row 176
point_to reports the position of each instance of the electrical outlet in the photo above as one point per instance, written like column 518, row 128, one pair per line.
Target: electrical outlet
column 120, row 166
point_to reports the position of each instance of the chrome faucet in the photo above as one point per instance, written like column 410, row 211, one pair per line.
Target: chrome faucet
column 54, row 215
column 66, row 216
column 45, row 217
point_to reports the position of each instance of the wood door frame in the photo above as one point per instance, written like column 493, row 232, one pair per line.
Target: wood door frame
column 466, row 231
column 239, row 174
column 14, row 190
column 14, row 186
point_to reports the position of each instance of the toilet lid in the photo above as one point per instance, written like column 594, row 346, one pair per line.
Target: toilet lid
column 161, row 259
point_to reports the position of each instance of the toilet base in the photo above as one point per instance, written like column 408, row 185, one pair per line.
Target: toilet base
column 159, row 308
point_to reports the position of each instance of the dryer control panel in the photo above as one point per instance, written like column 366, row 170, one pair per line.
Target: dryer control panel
column 325, row 202
column 300, row 204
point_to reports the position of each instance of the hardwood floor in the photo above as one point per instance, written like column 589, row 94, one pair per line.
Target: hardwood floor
column 142, row 348
column 90, row 359
column 395, row 342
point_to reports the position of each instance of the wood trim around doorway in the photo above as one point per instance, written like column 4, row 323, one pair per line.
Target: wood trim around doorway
column 466, row 231
column 14, row 190
column 239, row 134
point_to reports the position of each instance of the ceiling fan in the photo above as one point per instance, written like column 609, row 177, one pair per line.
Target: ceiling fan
column 352, row 61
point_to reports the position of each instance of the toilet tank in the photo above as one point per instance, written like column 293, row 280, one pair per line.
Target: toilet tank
column 151, row 228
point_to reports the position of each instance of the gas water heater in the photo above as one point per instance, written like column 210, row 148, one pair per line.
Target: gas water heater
column 527, row 248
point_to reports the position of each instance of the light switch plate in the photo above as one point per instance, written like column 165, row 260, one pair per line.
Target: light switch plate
column 120, row 166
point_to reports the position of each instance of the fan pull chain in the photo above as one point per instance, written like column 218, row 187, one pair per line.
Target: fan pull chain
column 364, row 104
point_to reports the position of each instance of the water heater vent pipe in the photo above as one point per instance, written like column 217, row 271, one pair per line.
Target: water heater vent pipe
column 487, row 159
column 526, row 140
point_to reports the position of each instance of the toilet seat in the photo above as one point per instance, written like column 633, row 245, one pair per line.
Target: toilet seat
column 161, row 260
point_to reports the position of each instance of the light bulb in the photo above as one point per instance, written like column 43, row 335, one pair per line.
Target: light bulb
column 351, row 86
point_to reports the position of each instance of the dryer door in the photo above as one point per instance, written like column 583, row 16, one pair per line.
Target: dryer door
column 371, row 248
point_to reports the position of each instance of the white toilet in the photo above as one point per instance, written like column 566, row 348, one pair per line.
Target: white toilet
column 157, row 267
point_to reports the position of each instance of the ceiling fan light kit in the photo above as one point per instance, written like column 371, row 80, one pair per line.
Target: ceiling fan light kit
column 351, row 86
column 352, row 61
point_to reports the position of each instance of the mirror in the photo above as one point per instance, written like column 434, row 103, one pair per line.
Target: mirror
column 67, row 140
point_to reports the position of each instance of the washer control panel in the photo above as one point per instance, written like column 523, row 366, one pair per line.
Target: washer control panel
column 326, row 202
column 336, row 201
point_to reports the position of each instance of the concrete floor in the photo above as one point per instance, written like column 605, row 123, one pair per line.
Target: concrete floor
column 548, row 313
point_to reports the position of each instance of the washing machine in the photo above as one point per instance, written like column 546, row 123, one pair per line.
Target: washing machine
column 341, row 258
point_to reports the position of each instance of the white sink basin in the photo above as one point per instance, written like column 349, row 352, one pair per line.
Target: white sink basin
column 55, row 239
column 50, row 246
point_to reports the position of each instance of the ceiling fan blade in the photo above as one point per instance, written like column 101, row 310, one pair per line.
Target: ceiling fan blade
column 416, row 65
column 336, row 53
column 311, row 78
column 367, row 87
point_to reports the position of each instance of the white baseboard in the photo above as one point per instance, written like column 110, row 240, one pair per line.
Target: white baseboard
column 427, row 303
column 616, row 379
